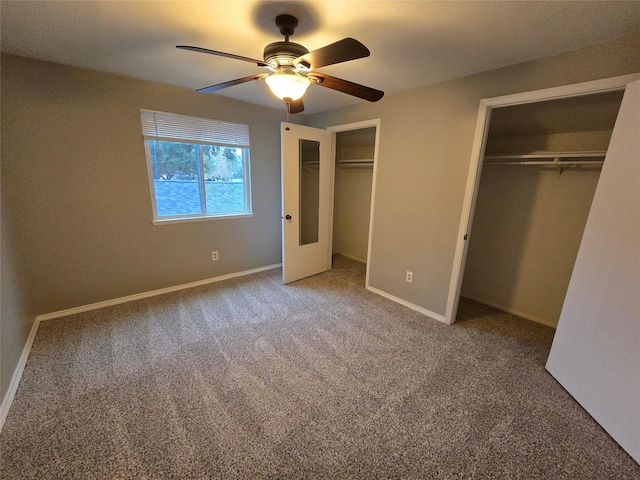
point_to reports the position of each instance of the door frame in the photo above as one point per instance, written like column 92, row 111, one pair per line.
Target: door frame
column 345, row 128
column 477, row 154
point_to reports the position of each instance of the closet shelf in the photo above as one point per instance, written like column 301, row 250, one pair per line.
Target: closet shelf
column 356, row 162
column 558, row 159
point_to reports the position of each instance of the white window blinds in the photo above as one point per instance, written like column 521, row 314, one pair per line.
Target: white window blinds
column 171, row 127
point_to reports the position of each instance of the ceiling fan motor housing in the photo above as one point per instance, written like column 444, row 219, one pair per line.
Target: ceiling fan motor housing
column 280, row 54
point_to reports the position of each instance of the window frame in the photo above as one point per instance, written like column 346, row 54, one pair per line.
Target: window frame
column 202, row 187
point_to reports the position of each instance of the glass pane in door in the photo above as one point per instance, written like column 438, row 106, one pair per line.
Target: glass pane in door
column 309, row 190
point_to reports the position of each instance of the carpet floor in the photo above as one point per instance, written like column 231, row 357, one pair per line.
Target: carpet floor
column 249, row 378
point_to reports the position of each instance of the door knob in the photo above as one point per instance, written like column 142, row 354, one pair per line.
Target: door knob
column 288, row 217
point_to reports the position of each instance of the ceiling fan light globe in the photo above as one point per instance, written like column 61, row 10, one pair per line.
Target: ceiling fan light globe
column 287, row 85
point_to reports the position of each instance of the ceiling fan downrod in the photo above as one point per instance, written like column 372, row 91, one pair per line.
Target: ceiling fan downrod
column 287, row 24
column 279, row 54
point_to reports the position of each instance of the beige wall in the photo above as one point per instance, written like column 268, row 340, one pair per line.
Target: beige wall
column 555, row 142
column 425, row 149
column 16, row 317
column 352, row 199
column 75, row 186
column 352, row 208
column 527, row 228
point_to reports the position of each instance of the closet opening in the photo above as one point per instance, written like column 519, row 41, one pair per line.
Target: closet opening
column 535, row 183
column 355, row 147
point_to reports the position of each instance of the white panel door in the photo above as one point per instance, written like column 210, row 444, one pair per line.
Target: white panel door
column 596, row 349
column 306, row 188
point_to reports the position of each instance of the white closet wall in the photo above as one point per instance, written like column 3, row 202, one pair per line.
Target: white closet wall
column 529, row 220
column 353, row 184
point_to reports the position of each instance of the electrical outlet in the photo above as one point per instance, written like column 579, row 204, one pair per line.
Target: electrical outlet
column 214, row 256
column 409, row 277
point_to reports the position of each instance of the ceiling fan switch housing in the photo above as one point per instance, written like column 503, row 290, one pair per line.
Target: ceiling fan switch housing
column 283, row 53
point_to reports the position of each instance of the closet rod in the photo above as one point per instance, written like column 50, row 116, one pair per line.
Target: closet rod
column 355, row 163
column 357, row 160
column 548, row 158
column 551, row 163
column 365, row 163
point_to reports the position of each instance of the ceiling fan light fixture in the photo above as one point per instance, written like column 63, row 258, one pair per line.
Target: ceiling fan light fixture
column 288, row 85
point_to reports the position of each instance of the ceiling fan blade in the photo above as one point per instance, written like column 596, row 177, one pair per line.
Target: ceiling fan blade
column 231, row 83
column 259, row 63
column 338, row 52
column 344, row 86
column 294, row 106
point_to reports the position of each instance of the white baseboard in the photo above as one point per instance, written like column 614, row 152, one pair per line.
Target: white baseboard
column 17, row 374
column 410, row 305
column 526, row 316
column 152, row 293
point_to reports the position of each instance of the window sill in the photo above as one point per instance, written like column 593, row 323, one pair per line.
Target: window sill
column 200, row 219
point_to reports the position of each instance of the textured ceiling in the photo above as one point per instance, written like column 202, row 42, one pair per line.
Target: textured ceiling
column 412, row 43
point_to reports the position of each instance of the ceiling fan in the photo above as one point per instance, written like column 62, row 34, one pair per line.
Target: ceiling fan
column 293, row 67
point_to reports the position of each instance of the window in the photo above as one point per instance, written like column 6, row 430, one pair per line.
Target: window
column 198, row 167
